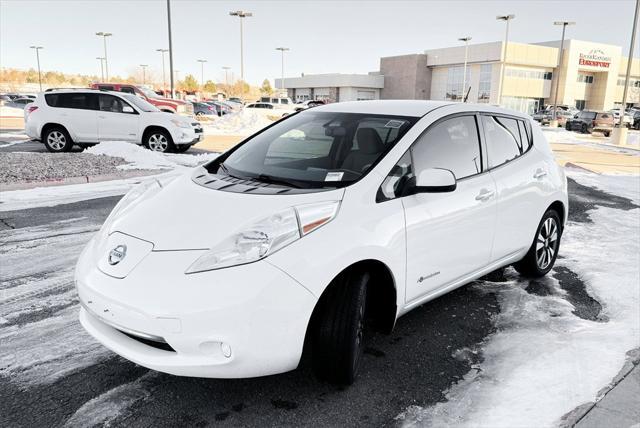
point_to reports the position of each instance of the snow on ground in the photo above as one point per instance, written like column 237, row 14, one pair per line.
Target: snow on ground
column 562, row 136
column 244, row 122
column 138, row 157
column 544, row 361
column 37, row 278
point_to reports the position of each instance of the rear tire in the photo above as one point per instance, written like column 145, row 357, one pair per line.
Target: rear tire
column 584, row 129
column 159, row 141
column 57, row 140
column 543, row 252
column 606, row 134
column 338, row 329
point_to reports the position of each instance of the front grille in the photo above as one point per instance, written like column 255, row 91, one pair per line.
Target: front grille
column 164, row 346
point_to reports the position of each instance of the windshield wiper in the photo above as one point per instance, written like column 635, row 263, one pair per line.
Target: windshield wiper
column 274, row 180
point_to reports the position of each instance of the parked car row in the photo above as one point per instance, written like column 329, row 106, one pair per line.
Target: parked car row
column 588, row 121
column 65, row 117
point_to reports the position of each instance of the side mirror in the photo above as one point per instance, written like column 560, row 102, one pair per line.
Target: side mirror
column 127, row 109
column 435, row 180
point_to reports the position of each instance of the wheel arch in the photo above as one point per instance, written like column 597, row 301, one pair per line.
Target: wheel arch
column 47, row 126
column 381, row 294
column 559, row 207
column 151, row 128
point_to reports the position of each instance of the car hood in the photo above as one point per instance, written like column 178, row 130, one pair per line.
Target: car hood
column 187, row 216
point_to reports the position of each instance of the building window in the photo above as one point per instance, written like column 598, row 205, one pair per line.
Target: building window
column 455, row 79
column 580, row 104
column 484, row 87
column 633, row 83
column 584, row 78
column 520, row 73
column 522, row 104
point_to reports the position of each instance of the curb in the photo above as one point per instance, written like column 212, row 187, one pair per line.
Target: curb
column 31, row 184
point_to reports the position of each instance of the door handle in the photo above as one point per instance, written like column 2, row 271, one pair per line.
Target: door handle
column 539, row 173
column 484, row 195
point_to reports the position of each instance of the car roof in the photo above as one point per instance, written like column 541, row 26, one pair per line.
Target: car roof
column 416, row 108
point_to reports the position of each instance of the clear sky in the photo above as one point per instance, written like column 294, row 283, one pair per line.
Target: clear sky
column 324, row 36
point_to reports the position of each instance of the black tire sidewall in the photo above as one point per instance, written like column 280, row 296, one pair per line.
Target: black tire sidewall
column 529, row 264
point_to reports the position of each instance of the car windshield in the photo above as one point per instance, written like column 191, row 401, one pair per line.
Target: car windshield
column 315, row 149
column 140, row 103
column 588, row 114
column 149, row 93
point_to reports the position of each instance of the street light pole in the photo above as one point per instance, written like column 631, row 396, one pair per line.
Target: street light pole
column 554, row 118
column 620, row 133
column 170, row 48
column 282, row 50
column 164, row 79
column 241, row 14
column 101, row 67
column 202, row 61
column 104, row 40
column 144, row 74
column 464, row 72
column 37, row 49
column 506, row 19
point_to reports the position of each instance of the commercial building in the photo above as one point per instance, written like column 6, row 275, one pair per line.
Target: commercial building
column 333, row 87
column 591, row 75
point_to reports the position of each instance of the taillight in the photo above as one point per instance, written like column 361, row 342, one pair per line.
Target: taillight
column 31, row 109
column 593, row 123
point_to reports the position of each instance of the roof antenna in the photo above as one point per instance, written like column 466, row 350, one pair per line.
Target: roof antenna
column 467, row 95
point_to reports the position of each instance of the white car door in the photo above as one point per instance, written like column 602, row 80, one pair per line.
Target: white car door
column 117, row 120
column 520, row 173
column 449, row 235
column 76, row 111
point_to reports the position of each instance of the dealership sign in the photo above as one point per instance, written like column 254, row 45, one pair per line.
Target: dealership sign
column 595, row 58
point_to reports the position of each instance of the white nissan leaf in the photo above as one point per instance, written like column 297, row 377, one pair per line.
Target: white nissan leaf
column 335, row 218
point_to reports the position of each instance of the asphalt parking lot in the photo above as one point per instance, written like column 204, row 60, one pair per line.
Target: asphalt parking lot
column 52, row 373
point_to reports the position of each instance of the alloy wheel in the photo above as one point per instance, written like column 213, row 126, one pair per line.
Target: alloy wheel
column 158, row 143
column 546, row 243
column 56, row 140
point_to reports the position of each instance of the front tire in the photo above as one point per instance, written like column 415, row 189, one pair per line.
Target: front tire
column 159, row 141
column 542, row 254
column 338, row 330
column 57, row 140
column 607, row 133
column 584, row 129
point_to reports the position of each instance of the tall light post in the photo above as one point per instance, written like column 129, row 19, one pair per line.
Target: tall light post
column 241, row 14
column 202, row 61
column 282, row 51
column 144, row 73
column 554, row 119
column 170, row 48
column 104, row 41
column 101, row 59
column 164, row 79
column 620, row 133
column 464, row 72
column 37, row 49
column 506, row 19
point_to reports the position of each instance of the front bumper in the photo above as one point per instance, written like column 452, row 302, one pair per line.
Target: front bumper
column 238, row 322
column 189, row 136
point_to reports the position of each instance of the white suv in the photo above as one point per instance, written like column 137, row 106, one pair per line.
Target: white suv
column 334, row 215
column 62, row 118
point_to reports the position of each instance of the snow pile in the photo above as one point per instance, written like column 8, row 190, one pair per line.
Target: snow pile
column 560, row 135
column 137, row 157
column 245, row 122
column 544, row 361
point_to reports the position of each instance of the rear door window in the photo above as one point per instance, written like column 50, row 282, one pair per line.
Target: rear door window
column 503, row 139
column 74, row 100
column 111, row 104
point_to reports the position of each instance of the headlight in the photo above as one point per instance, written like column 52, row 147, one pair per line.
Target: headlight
column 180, row 124
column 266, row 236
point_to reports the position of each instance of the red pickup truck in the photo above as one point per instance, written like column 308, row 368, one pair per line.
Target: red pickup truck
column 164, row 104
